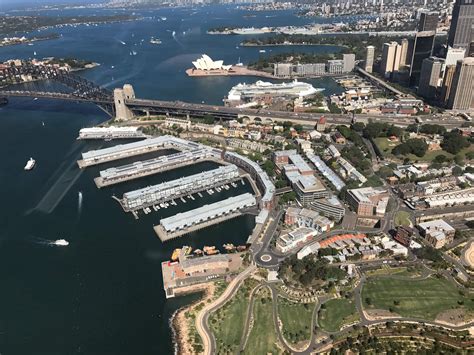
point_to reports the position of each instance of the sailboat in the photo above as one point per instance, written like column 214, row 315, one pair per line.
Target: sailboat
column 239, row 63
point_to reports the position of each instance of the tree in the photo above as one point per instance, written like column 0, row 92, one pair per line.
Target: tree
column 269, row 167
column 441, row 158
column 457, row 171
column 208, row 119
column 298, row 128
column 384, row 172
column 394, row 131
column 414, row 146
column 358, row 126
column 454, row 142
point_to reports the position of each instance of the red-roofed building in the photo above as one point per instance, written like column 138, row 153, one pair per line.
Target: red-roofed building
column 321, row 125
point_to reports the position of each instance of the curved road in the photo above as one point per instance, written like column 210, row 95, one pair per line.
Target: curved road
column 202, row 327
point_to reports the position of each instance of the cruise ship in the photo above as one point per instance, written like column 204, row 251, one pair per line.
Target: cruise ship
column 294, row 89
column 251, row 31
column 30, row 164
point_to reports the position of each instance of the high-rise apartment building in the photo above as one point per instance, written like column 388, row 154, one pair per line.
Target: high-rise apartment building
column 422, row 49
column 449, row 71
column 349, row 62
column 453, row 55
column 460, row 33
column 369, row 59
column 430, row 76
column 403, row 52
column 389, row 51
column 428, row 21
column 460, row 96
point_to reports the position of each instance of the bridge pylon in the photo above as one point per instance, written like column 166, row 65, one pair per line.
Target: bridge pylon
column 122, row 112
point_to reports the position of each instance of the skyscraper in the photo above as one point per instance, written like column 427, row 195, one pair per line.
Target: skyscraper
column 349, row 62
column 460, row 96
column 389, row 51
column 430, row 77
column 369, row 59
column 447, row 82
column 422, row 49
column 403, row 52
column 428, row 21
column 460, row 33
column 453, row 55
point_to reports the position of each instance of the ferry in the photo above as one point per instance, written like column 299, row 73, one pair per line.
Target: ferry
column 30, row 164
column 61, row 242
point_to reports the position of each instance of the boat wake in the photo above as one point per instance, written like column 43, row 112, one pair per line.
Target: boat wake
column 79, row 201
column 52, row 243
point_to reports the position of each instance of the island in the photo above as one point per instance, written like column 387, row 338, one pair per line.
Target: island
column 21, row 24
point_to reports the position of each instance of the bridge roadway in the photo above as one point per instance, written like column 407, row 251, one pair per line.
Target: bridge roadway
column 222, row 112
column 180, row 108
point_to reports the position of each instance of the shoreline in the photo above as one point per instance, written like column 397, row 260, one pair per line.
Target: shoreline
column 30, row 40
column 290, row 44
column 179, row 324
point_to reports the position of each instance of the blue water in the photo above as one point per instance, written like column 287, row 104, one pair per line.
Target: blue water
column 103, row 294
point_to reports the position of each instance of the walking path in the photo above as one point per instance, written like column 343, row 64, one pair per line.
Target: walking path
column 202, row 327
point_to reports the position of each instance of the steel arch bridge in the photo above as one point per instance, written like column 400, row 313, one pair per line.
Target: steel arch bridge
column 81, row 89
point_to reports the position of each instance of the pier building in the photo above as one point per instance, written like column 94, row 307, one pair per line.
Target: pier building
column 110, row 133
column 139, row 169
column 121, row 151
column 184, row 186
column 202, row 217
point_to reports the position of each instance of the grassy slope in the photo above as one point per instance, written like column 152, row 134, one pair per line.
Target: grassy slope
column 227, row 323
column 417, row 298
column 336, row 313
column 262, row 338
column 296, row 319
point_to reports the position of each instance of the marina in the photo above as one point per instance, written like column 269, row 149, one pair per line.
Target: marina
column 202, row 217
column 179, row 188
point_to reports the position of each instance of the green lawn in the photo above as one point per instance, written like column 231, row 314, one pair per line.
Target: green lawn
column 398, row 271
column 227, row 323
column 386, row 147
column 262, row 338
column 402, row 218
column 336, row 313
column 296, row 319
column 413, row 298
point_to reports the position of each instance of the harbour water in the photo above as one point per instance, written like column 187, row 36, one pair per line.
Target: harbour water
column 102, row 294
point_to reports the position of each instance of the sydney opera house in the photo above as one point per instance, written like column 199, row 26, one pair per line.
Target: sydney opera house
column 207, row 64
